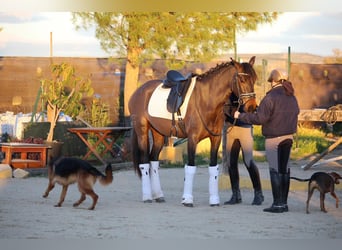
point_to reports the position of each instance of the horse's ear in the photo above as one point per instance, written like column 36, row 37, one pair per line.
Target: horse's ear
column 233, row 61
column 252, row 60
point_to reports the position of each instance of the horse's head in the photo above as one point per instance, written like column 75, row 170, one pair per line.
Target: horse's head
column 243, row 84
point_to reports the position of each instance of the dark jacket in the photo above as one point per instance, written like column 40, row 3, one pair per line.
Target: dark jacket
column 232, row 107
column 277, row 113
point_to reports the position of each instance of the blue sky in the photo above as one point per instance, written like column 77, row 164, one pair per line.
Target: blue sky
column 28, row 34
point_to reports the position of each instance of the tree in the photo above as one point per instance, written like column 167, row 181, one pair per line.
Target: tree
column 63, row 92
column 336, row 58
column 137, row 36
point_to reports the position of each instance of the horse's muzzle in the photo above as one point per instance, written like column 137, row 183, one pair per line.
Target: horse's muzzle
column 250, row 106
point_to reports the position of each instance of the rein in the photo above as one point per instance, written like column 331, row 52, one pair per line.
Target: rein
column 203, row 122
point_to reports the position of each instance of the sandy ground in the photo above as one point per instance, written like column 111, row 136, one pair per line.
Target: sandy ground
column 120, row 214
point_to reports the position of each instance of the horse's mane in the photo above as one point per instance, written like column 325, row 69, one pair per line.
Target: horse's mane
column 213, row 70
column 247, row 68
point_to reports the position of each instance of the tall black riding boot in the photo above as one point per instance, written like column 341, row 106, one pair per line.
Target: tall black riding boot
column 285, row 184
column 284, row 149
column 234, row 181
column 277, row 206
column 255, row 178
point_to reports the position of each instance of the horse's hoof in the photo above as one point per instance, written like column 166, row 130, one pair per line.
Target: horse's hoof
column 160, row 200
column 188, row 204
column 147, row 201
column 215, row 205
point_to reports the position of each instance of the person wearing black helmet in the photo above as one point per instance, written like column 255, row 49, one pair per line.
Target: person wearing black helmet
column 278, row 115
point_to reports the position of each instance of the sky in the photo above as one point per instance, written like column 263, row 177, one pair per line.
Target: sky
column 28, row 34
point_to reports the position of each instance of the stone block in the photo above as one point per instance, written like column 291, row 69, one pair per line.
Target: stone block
column 5, row 171
column 20, row 173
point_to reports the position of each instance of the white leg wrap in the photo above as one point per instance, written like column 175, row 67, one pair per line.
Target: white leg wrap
column 188, row 184
column 155, row 182
column 214, row 198
column 145, row 182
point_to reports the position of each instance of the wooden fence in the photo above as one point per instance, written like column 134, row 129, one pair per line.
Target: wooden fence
column 330, row 116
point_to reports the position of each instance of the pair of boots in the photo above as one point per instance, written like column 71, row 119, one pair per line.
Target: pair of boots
column 280, row 189
column 234, row 180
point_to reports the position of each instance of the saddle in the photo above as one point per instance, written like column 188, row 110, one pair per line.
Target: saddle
column 179, row 86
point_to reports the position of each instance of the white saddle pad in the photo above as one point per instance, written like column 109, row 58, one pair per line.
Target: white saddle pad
column 157, row 106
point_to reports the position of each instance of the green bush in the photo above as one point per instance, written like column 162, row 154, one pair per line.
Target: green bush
column 308, row 142
column 73, row 145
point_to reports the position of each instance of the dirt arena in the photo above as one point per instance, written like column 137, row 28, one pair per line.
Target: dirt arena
column 120, row 214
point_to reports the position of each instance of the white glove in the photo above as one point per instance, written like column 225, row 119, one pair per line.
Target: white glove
column 236, row 114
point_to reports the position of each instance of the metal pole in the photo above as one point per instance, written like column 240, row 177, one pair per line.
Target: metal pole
column 264, row 66
column 51, row 50
column 288, row 62
column 235, row 45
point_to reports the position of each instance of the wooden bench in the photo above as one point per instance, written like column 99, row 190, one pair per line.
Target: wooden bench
column 16, row 154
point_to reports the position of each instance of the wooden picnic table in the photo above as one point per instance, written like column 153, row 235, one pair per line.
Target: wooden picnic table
column 31, row 155
column 106, row 136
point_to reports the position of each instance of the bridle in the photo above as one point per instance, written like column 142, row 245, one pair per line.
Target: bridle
column 241, row 96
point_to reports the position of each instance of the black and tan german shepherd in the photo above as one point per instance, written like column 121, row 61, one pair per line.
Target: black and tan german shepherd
column 66, row 171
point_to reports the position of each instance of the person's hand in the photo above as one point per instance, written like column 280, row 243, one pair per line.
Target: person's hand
column 236, row 114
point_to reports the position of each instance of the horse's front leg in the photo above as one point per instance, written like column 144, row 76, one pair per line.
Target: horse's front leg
column 189, row 173
column 214, row 198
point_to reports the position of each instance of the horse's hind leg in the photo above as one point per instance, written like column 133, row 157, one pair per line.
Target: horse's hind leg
column 189, row 173
column 141, row 155
column 158, row 142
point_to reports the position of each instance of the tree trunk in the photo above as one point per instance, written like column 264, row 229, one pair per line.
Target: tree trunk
column 52, row 117
column 131, row 84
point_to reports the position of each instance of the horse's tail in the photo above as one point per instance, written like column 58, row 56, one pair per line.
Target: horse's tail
column 135, row 153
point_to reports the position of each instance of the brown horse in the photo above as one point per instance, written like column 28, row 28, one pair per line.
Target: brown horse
column 204, row 118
